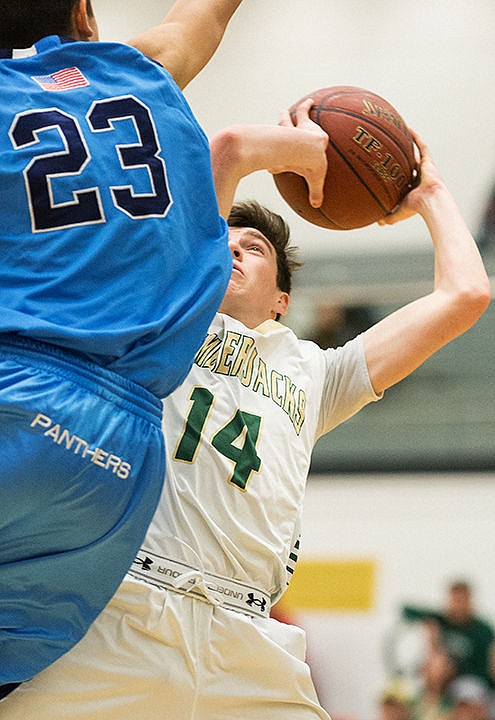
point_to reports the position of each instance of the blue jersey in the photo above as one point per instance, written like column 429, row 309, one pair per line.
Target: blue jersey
column 110, row 237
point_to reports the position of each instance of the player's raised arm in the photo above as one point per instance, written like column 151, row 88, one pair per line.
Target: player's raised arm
column 187, row 37
column 399, row 343
column 240, row 150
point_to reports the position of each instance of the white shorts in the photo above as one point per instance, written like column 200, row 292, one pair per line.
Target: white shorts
column 155, row 654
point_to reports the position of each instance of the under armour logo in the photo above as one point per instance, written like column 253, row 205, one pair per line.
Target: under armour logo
column 145, row 564
column 260, row 602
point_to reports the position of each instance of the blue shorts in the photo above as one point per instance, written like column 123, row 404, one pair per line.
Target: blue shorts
column 81, row 470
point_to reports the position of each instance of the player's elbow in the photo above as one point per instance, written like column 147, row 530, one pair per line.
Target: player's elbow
column 471, row 301
column 226, row 150
column 226, row 146
column 479, row 296
column 232, row 152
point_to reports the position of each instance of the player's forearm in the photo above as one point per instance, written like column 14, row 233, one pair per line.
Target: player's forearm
column 240, row 150
column 461, row 288
column 188, row 36
column 459, row 271
column 401, row 342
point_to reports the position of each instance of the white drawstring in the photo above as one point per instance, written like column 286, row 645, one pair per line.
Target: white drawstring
column 194, row 578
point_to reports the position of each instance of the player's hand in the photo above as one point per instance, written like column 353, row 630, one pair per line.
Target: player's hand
column 309, row 157
column 418, row 199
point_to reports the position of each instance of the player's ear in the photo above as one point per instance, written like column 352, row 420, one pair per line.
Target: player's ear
column 82, row 26
column 282, row 303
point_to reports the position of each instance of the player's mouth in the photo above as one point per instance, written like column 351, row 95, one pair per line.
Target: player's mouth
column 237, row 268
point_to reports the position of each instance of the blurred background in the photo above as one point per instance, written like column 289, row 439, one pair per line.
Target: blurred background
column 400, row 498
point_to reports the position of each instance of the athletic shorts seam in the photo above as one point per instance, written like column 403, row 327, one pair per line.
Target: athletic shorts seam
column 104, row 390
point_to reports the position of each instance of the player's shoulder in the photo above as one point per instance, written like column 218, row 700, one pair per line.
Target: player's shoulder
column 109, row 51
column 119, row 52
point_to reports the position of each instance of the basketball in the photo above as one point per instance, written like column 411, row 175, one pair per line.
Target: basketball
column 371, row 160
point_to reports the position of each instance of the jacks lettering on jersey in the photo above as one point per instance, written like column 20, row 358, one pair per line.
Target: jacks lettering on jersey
column 68, row 441
column 236, row 355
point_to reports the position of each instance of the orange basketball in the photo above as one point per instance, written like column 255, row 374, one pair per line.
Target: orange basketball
column 371, row 160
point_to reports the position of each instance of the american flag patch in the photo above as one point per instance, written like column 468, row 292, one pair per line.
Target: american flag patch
column 67, row 79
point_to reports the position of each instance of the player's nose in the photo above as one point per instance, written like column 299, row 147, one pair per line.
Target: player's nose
column 235, row 249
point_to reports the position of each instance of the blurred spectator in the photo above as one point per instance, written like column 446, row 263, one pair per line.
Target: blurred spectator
column 395, row 703
column 470, row 698
column 432, row 701
column 467, row 638
column 334, row 324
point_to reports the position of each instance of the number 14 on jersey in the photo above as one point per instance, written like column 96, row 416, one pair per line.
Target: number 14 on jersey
column 236, row 440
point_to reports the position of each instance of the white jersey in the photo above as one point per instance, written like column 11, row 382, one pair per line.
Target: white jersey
column 239, row 434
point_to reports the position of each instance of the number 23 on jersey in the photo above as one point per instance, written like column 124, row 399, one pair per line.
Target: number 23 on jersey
column 85, row 207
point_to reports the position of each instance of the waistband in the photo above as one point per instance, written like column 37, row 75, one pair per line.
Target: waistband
column 216, row 589
column 95, row 378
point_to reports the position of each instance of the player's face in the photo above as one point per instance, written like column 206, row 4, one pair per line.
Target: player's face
column 252, row 295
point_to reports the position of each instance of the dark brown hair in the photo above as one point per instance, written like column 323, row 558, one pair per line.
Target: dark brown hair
column 24, row 22
column 251, row 214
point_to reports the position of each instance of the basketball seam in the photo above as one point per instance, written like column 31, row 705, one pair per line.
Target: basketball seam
column 343, row 157
column 345, row 92
column 342, row 91
column 336, row 226
column 351, row 113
